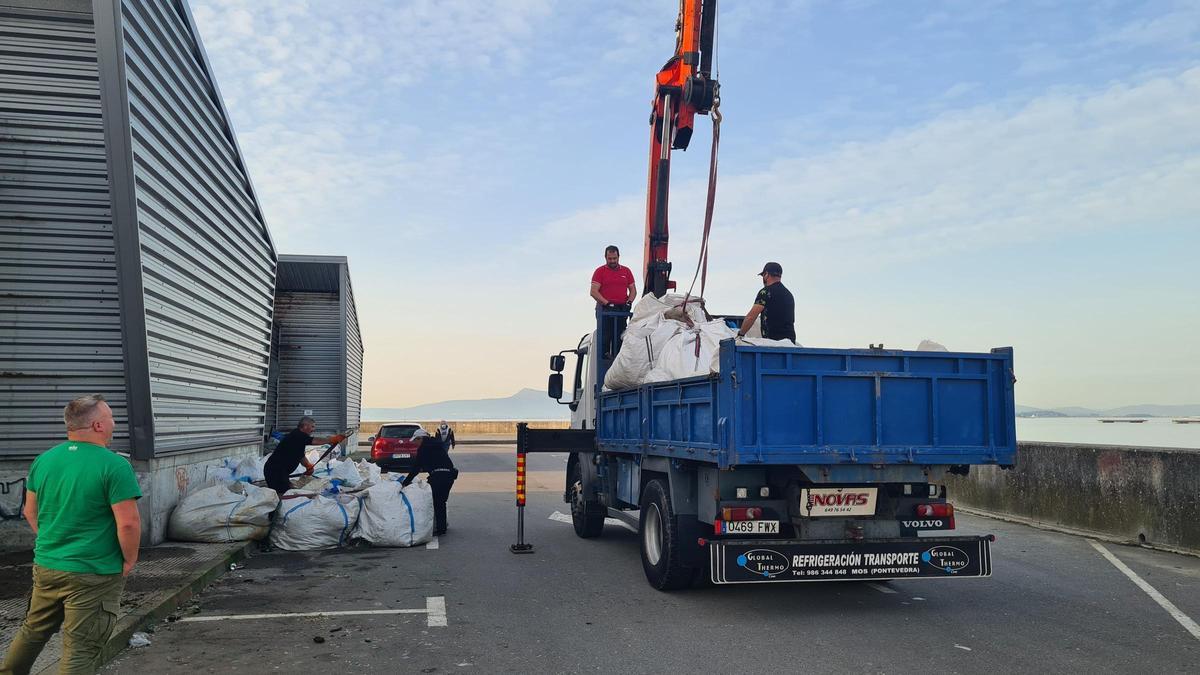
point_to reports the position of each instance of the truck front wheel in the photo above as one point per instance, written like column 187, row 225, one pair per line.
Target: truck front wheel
column 586, row 516
column 660, row 538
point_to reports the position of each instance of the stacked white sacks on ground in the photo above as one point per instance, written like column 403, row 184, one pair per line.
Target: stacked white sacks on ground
column 668, row 339
column 227, row 512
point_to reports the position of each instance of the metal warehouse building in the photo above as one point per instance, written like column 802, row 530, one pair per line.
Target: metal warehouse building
column 135, row 259
column 317, row 351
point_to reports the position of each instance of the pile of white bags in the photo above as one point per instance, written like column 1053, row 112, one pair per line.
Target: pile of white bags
column 247, row 469
column 646, row 336
column 346, row 472
column 657, row 347
column 229, row 511
column 312, row 522
column 393, row 515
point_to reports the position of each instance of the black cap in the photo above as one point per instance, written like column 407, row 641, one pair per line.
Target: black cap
column 772, row 268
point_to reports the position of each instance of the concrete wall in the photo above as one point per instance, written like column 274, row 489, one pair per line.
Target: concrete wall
column 1149, row 495
column 468, row 428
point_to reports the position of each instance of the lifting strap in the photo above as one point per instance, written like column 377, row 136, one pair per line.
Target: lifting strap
column 702, row 262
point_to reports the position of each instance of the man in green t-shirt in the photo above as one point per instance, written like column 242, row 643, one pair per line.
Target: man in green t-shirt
column 81, row 502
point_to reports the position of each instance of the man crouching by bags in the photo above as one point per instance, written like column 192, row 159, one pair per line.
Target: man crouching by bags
column 290, row 454
column 433, row 459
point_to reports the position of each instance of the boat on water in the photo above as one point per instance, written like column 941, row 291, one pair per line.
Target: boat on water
column 1122, row 420
column 1194, row 419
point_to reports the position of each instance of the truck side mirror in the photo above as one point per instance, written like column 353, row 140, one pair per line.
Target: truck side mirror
column 558, row 362
column 554, row 388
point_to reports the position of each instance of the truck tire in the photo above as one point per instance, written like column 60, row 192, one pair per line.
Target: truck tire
column 586, row 516
column 659, row 533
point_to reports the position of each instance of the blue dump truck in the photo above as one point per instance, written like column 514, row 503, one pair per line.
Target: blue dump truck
column 791, row 464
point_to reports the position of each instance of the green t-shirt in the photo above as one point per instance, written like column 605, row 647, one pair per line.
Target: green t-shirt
column 76, row 485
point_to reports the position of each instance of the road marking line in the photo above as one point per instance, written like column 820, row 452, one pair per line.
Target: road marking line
column 436, row 608
column 432, row 545
column 564, row 518
column 881, row 588
column 435, row 613
column 1183, row 619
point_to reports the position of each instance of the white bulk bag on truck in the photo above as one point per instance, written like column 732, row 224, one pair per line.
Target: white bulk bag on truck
column 645, row 337
column 691, row 352
column 393, row 515
column 227, row 512
column 313, row 523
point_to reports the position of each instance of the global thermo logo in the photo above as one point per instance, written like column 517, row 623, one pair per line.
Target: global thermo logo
column 946, row 558
column 764, row 562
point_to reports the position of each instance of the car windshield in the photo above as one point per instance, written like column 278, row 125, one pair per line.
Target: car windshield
column 398, row 431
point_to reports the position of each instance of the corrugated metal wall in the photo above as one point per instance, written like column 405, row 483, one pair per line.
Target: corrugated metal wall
column 310, row 366
column 60, row 335
column 208, row 266
column 354, row 354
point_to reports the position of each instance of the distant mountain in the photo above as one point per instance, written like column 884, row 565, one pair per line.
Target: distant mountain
column 527, row 404
column 1140, row 410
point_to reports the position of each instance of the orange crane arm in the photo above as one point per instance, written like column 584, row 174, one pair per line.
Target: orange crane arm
column 684, row 88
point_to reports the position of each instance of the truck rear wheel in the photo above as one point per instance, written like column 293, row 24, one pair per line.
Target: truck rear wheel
column 586, row 516
column 660, row 540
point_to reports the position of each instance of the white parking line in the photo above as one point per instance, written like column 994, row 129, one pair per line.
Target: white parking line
column 1183, row 619
column 564, row 518
column 432, row 545
column 435, row 611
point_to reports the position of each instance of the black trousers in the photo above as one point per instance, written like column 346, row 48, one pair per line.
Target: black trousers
column 441, row 482
column 614, row 328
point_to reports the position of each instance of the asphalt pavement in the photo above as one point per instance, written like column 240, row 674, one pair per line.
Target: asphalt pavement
column 465, row 603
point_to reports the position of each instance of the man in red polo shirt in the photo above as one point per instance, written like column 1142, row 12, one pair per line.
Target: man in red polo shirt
column 614, row 290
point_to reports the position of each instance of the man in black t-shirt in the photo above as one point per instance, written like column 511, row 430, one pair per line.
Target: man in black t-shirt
column 776, row 305
column 290, row 454
column 433, row 458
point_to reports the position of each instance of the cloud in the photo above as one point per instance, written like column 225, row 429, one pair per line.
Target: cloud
column 1062, row 164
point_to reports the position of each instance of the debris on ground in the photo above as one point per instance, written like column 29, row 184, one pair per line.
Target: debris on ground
column 139, row 640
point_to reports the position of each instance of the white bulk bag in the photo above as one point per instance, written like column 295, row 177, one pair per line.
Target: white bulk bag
column 346, row 472
column 680, row 357
column 230, row 511
column 312, row 523
column 369, row 472
column 393, row 515
column 645, row 337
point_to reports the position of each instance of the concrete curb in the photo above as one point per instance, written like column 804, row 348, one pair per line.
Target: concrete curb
column 1087, row 534
column 163, row 606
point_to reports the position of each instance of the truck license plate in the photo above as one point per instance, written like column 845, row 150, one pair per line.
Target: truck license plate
column 404, row 455
column 749, row 527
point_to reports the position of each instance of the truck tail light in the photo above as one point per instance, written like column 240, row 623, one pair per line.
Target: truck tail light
column 935, row 510
column 741, row 513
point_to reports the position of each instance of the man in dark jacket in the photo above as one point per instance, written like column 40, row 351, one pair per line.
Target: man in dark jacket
column 290, row 454
column 446, row 435
column 433, row 459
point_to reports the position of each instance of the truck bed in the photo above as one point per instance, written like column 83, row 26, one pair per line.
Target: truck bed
column 794, row 405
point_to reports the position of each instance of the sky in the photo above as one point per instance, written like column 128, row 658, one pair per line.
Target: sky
column 978, row 173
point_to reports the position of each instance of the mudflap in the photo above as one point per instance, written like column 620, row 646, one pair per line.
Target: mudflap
column 759, row 561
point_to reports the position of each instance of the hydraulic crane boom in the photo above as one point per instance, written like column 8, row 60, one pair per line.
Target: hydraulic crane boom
column 684, row 87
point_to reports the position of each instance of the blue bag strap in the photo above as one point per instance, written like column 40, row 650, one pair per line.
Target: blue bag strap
column 412, row 522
